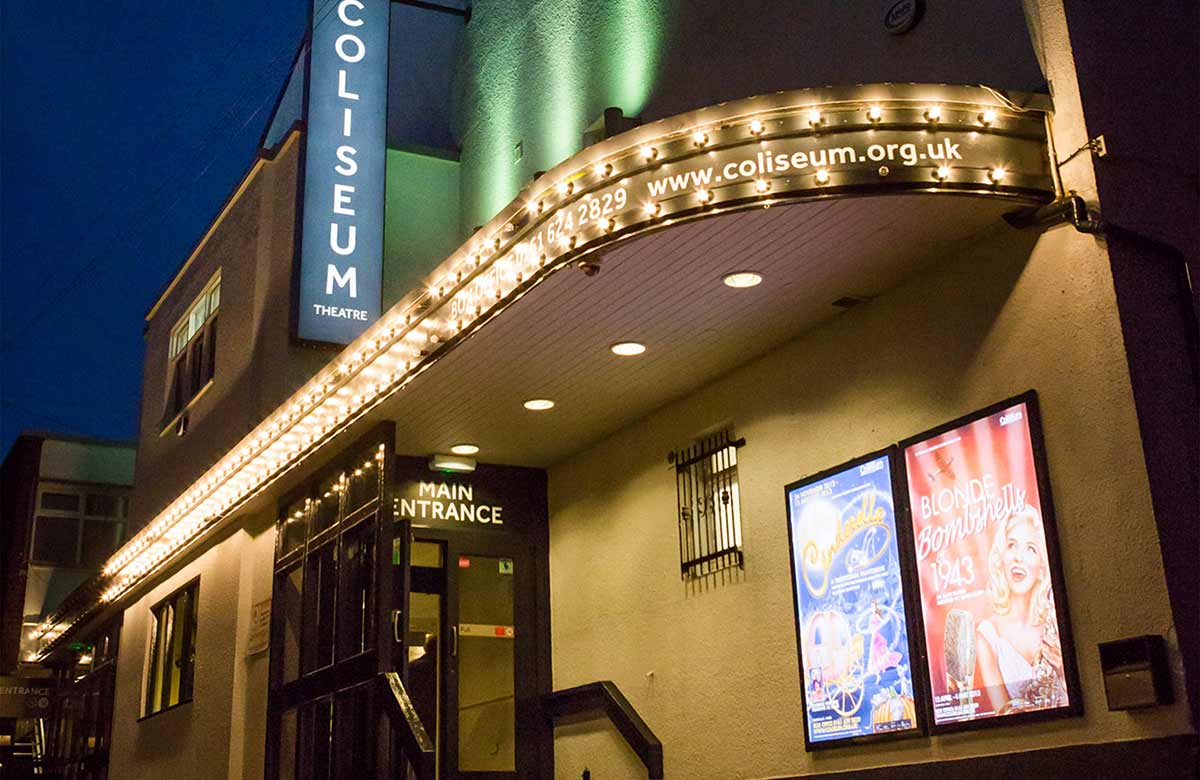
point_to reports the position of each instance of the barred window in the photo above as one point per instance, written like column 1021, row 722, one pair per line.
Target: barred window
column 172, row 663
column 710, row 515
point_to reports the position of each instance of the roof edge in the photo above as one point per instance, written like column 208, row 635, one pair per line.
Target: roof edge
column 261, row 158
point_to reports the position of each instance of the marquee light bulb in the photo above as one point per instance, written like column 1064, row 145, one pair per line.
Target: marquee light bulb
column 814, row 117
column 987, row 117
column 933, row 113
column 653, row 209
column 703, row 195
column 942, row 173
column 874, row 113
column 649, row 153
column 762, row 185
column 997, row 175
column 756, row 127
column 700, row 138
column 822, row 176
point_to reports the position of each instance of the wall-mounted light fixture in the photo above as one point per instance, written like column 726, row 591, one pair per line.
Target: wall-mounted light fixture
column 456, row 463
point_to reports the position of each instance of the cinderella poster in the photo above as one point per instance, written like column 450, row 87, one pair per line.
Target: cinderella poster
column 850, row 621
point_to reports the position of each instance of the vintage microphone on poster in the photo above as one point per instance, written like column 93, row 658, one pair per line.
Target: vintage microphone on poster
column 958, row 648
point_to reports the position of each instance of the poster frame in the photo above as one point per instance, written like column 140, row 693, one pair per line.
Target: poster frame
column 1074, row 706
column 918, row 676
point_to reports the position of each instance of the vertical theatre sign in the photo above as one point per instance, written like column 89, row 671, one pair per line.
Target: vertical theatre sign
column 341, row 248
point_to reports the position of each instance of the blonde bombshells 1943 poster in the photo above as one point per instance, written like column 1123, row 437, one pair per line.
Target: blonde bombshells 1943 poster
column 987, row 602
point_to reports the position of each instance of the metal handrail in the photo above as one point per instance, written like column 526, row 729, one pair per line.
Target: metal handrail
column 604, row 699
column 418, row 747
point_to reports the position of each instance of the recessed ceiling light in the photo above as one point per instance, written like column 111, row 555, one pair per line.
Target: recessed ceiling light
column 464, row 449
column 539, row 404
column 628, row 348
column 742, row 279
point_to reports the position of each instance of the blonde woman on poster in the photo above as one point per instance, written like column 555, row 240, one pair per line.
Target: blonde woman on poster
column 1018, row 652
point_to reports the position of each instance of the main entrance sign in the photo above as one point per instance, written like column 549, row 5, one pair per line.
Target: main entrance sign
column 341, row 247
column 505, row 499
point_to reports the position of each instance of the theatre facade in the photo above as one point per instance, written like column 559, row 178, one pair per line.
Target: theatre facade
column 637, row 406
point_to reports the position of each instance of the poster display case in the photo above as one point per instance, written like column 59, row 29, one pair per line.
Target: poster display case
column 852, row 630
column 927, row 585
column 994, row 634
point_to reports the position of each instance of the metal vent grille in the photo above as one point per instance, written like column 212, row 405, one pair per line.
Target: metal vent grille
column 710, row 516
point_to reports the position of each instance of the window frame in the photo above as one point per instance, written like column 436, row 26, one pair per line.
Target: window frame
column 191, row 352
column 152, row 687
column 709, row 528
column 81, row 515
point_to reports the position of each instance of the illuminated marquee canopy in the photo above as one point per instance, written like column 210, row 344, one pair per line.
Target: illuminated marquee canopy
column 780, row 148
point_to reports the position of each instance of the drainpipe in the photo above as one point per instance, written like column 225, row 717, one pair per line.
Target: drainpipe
column 1069, row 207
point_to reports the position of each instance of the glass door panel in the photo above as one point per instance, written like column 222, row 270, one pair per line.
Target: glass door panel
column 484, row 655
column 426, row 663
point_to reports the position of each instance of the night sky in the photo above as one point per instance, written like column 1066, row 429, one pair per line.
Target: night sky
column 125, row 127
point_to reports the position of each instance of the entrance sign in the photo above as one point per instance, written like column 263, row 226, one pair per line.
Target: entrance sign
column 437, row 500
column 491, row 499
column 851, row 625
column 341, row 246
column 992, row 603
column 22, row 697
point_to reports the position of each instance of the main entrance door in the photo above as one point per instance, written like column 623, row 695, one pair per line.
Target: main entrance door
column 477, row 616
column 471, row 624
column 383, row 566
column 334, row 631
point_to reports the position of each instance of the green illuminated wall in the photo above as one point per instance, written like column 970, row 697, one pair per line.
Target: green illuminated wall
column 421, row 221
column 538, row 72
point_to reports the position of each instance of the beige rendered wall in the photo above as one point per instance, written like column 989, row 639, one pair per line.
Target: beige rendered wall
column 724, row 695
column 257, row 366
column 1009, row 313
column 222, row 731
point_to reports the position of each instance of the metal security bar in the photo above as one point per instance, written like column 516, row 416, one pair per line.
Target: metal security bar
column 710, row 520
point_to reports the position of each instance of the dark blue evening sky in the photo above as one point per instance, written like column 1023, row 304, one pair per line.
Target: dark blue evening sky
column 125, row 127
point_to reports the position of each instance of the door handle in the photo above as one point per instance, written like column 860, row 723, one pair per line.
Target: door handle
column 396, row 625
column 454, row 641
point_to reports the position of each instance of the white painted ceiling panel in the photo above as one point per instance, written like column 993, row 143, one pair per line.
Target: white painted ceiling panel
column 664, row 289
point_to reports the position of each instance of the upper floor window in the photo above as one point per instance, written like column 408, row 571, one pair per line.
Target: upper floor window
column 192, row 351
column 172, row 664
column 76, row 526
